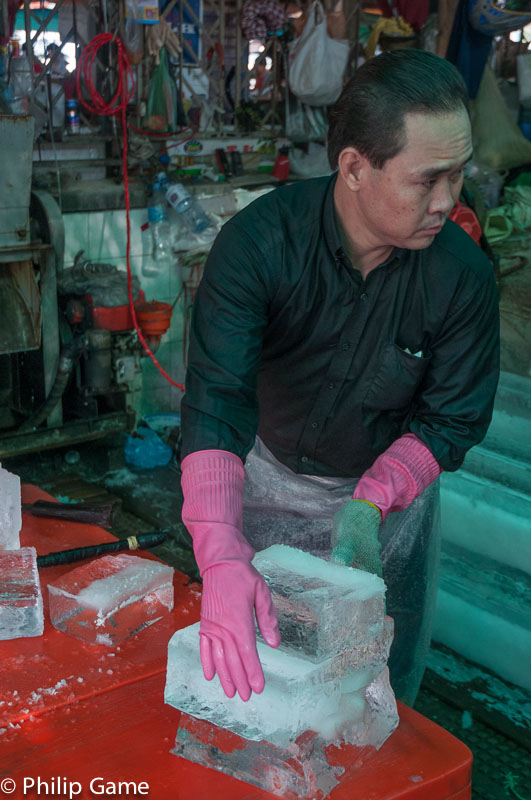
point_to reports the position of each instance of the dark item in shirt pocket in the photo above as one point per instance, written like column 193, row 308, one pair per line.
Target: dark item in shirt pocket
column 396, row 380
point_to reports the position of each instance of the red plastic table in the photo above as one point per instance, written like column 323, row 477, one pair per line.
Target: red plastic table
column 72, row 713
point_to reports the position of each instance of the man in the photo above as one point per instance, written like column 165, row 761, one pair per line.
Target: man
column 59, row 68
column 355, row 330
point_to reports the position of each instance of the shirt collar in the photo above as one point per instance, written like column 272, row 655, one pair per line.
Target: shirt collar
column 331, row 233
column 395, row 258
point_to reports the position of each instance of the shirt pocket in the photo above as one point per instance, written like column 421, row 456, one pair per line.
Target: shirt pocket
column 396, row 380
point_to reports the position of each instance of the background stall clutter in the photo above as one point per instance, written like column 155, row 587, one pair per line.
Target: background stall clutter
column 131, row 132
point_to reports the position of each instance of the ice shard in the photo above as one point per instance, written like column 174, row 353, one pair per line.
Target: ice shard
column 108, row 600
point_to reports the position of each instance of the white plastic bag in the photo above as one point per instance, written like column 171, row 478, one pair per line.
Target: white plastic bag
column 311, row 164
column 317, row 62
column 304, row 122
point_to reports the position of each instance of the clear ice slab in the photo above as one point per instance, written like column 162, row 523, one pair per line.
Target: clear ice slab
column 322, row 608
column 300, row 771
column 21, row 612
column 334, row 698
column 306, row 769
column 326, row 688
column 10, row 514
column 108, row 600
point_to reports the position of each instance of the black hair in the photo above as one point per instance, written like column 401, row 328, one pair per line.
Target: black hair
column 369, row 113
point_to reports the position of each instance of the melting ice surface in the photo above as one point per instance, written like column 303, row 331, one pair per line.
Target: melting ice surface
column 304, row 566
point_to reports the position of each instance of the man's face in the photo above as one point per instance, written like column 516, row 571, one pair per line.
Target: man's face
column 406, row 203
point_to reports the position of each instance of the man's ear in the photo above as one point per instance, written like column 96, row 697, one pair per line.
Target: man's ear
column 351, row 165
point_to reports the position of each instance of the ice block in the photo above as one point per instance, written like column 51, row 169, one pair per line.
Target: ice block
column 322, row 608
column 326, row 685
column 10, row 515
column 299, row 695
column 20, row 594
column 108, row 600
column 371, row 657
column 300, row 770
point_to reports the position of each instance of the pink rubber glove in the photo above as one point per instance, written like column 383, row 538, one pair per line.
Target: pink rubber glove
column 395, row 479
column 212, row 483
column 398, row 476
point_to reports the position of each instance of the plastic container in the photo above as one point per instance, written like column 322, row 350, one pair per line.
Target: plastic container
column 188, row 209
column 160, row 234
column 154, row 318
column 281, row 168
column 162, row 422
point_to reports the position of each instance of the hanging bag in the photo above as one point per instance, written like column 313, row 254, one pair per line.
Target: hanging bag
column 162, row 101
column 317, row 62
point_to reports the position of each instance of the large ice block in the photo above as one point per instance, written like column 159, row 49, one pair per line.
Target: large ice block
column 107, row 600
column 10, row 516
column 322, row 608
column 20, row 594
column 330, row 698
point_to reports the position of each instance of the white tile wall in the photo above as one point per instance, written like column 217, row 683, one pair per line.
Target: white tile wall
column 102, row 235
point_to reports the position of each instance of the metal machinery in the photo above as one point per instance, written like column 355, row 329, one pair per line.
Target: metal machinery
column 70, row 364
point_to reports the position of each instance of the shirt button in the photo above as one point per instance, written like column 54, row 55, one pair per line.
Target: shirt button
column 315, row 424
column 331, row 386
column 345, row 346
column 363, row 296
column 304, row 459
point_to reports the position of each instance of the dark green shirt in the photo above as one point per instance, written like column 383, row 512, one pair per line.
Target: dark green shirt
column 289, row 341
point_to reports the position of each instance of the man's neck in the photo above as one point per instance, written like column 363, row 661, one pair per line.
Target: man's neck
column 363, row 255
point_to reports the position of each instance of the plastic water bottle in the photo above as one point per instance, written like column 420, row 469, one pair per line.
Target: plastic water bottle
column 160, row 233
column 73, row 122
column 163, row 182
column 189, row 210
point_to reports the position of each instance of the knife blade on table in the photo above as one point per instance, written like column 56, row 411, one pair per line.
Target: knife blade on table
column 103, row 514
